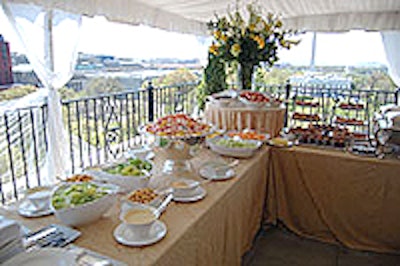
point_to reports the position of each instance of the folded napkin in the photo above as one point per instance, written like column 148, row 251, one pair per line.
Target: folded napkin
column 9, row 230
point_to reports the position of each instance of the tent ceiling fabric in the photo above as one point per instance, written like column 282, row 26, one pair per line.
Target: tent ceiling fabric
column 190, row 16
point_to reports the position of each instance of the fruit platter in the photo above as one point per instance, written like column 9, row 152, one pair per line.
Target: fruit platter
column 178, row 138
column 238, row 148
column 129, row 174
column 178, row 126
column 257, row 99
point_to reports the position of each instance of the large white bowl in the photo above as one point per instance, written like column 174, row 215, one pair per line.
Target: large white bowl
column 234, row 152
column 126, row 183
column 88, row 212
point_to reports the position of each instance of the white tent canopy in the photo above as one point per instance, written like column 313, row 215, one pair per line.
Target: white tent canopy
column 192, row 16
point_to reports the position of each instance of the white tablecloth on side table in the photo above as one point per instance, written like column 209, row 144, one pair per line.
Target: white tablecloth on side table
column 267, row 120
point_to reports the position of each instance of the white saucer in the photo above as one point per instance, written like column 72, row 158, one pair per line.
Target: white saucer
column 127, row 237
column 208, row 174
column 197, row 195
column 27, row 209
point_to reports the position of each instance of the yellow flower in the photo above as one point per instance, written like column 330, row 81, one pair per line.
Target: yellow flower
column 260, row 41
column 252, row 27
column 213, row 49
column 217, row 34
column 224, row 38
column 266, row 26
column 235, row 49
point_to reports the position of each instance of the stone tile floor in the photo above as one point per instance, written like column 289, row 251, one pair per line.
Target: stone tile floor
column 280, row 247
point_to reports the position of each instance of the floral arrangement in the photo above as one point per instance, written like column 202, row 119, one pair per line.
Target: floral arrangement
column 249, row 43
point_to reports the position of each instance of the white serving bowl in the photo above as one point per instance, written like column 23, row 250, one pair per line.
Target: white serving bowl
column 234, row 152
column 126, row 183
column 88, row 212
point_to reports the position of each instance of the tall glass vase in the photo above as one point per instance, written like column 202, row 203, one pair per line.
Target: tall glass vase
column 245, row 75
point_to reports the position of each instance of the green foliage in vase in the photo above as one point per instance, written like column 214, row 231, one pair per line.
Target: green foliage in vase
column 214, row 79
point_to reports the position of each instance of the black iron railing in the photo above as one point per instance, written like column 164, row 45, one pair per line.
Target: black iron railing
column 99, row 128
column 23, row 147
column 327, row 99
column 103, row 127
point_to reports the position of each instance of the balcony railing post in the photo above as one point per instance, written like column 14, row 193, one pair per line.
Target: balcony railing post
column 150, row 95
column 287, row 95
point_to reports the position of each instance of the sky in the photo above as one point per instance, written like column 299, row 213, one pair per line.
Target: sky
column 102, row 37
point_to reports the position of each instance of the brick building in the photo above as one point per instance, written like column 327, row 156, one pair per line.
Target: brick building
column 6, row 76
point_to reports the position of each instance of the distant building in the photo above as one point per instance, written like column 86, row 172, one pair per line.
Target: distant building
column 6, row 76
column 322, row 80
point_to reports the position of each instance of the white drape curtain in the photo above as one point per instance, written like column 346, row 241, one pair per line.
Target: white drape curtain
column 50, row 39
column 391, row 43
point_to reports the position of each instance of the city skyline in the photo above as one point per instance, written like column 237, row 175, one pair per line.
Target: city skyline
column 143, row 42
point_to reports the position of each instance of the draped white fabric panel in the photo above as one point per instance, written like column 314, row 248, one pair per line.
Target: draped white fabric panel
column 50, row 38
column 191, row 16
column 391, row 43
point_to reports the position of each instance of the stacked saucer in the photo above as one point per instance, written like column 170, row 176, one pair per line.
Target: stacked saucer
column 11, row 239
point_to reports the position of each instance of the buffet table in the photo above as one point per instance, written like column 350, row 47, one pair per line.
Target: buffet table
column 336, row 197
column 267, row 119
column 214, row 231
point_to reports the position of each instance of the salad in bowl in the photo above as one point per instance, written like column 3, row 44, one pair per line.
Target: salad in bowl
column 129, row 174
column 234, row 147
column 82, row 202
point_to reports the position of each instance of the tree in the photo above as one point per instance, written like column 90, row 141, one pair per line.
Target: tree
column 17, row 92
column 100, row 85
column 68, row 93
column 273, row 75
column 178, row 76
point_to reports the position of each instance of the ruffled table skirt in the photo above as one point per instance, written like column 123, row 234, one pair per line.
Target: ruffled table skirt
column 264, row 120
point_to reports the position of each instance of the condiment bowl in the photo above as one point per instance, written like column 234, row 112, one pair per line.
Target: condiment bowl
column 183, row 187
column 139, row 218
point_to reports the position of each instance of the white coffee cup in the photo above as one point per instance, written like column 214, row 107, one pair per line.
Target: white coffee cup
column 40, row 199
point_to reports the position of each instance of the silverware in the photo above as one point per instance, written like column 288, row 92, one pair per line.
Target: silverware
column 164, row 203
column 33, row 238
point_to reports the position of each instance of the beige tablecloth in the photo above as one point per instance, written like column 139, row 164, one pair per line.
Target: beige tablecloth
column 214, row 231
column 336, row 197
column 267, row 120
